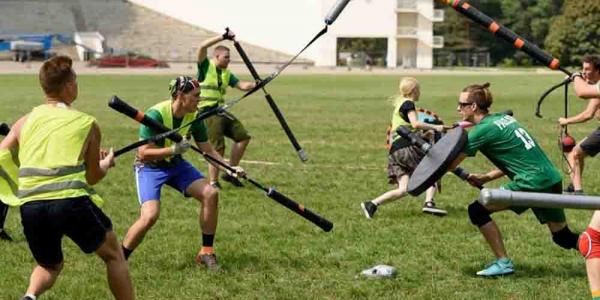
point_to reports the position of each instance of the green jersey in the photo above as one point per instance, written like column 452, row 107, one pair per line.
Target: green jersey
column 198, row 129
column 514, row 151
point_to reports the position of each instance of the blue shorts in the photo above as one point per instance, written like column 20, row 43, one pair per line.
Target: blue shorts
column 150, row 180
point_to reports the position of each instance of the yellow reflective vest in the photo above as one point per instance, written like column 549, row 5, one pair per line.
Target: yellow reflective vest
column 214, row 87
column 398, row 121
column 166, row 112
column 50, row 155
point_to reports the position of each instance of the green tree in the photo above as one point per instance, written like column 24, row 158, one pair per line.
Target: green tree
column 575, row 32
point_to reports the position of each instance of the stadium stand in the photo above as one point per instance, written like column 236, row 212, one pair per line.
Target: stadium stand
column 125, row 26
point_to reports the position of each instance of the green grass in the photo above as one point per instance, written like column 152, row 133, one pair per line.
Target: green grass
column 267, row 252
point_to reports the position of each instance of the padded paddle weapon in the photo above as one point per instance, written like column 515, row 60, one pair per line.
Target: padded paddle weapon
column 272, row 103
column 4, row 129
column 531, row 49
column 124, row 108
column 333, row 14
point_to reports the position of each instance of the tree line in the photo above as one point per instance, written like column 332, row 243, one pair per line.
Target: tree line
column 567, row 29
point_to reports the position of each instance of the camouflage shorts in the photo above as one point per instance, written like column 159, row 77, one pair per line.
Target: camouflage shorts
column 403, row 162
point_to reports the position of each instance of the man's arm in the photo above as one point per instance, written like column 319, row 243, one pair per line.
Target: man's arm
column 245, row 85
column 203, row 51
column 96, row 167
column 587, row 114
column 584, row 89
column 11, row 141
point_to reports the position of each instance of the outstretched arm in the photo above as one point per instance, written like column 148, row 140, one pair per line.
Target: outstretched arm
column 203, row 51
column 587, row 114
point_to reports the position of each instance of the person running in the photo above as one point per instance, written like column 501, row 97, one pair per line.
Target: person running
column 516, row 154
column 60, row 158
column 215, row 77
column 590, row 146
column 589, row 242
column 404, row 157
column 162, row 163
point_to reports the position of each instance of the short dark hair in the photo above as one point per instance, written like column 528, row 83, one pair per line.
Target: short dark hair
column 480, row 94
column 594, row 60
column 220, row 48
column 55, row 73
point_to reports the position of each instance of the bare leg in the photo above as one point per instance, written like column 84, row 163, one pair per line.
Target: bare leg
column 393, row 194
column 149, row 214
column 117, row 270
column 209, row 200
column 237, row 151
column 575, row 159
column 592, row 267
column 213, row 172
column 430, row 193
column 43, row 278
column 492, row 234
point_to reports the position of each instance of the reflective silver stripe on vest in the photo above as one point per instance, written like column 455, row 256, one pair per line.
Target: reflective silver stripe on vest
column 210, row 98
column 25, row 172
column 11, row 183
column 57, row 186
column 209, row 87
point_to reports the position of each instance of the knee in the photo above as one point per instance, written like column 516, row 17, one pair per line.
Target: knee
column 565, row 238
column 53, row 268
column 148, row 220
column 478, row 214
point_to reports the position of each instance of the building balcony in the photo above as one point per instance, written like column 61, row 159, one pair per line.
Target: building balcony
column 407, row 5
column 438, row 41
column 438, row 15
column 407, row 31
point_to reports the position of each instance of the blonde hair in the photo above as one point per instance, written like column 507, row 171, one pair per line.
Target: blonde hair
column 406, row 89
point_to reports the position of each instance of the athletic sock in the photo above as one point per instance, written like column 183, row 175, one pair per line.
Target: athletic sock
column 126, row 252
column 596, row 295
column 31, row 296
column 207, row 244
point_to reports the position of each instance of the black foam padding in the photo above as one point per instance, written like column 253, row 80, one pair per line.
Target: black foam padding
column 4, row 129
column 436, row 162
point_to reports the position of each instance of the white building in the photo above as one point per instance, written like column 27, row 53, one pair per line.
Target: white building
column 287, row 25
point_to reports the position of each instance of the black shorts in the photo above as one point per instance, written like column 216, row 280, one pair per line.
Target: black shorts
column 591, row 144
column 46, row 221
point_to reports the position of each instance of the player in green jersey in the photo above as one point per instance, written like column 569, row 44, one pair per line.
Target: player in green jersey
column 517, row 155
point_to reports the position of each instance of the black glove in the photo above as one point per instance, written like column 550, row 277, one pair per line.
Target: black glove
column 228, row 35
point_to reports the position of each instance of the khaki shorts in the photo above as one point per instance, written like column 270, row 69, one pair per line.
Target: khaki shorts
column 403, row 162
column 220, row 126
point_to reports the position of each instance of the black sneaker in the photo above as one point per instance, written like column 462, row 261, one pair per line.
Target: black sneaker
column 369, row 209
column 207, row 260
column 429, row 208
column 231, row 179
column 26, row 298
column 4, row 236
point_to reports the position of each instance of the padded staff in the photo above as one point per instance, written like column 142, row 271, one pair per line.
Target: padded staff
column 499, row 30
column 4, row 129
column 124, row 108
column 272, row 104
column 512, row 198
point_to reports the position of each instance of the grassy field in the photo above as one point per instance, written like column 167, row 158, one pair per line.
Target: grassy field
column 267, row 252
